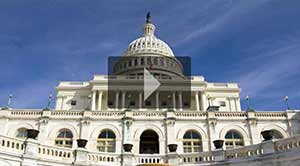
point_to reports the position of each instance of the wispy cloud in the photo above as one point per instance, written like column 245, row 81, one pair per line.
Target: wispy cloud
column 231, row 12
column 270, row 67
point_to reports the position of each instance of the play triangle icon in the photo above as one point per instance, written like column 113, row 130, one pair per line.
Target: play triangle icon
column 150, row 84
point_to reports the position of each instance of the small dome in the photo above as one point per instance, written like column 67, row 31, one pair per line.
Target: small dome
column 148, row 44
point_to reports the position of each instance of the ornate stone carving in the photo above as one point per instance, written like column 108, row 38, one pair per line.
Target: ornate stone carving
column 252, row 121
column 212, row 121
column 85, row 121
column 170, row 121
column 44, row 121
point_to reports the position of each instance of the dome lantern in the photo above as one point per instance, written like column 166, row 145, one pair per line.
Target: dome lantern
column 149, row 28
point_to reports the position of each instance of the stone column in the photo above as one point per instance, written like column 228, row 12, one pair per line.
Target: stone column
column 127, row 157
column 85, row 125
column 174, row 100
column 238, row 104
column 290, row 119
column 252, row 128
column 197, row 100
column 60, row 102
column 81, row 157
column 231, row 105
column 140, row 100
column 268, row 147
column 173, row 159
column 4, row 114
column 43, row 125
column 219, row 155
column 204, row 101
column 123, row 99
column 30, row 152
column 157, row 100
column 180, row 100
column 100, row 101
column 94, row 100
column 211, row 132
column 127, row 131
column 170, row 127
column 117, row 101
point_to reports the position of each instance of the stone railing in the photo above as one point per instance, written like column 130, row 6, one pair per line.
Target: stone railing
column 26, row 112
column 268, row 115
column 287, row 144
column 33, row 150
column 268, row 147
column 13, row 145
column 55, row 153
column 67, row 113
column 104, row 158
column 152, row 114
column 197, row 158
column 244, row 152
column 59, row 114
column 230, row 114
column 150, row 159
column 190, row 114
column 135, row 77
column 108, row 113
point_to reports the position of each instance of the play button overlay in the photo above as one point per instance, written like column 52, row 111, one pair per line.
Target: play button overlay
column 150, row 84
column 147, row 82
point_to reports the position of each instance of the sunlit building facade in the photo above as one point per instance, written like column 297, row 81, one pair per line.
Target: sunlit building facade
column 122, row 128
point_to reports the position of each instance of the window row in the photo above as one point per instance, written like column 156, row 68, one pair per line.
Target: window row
column 106, row 141
column 162, row 62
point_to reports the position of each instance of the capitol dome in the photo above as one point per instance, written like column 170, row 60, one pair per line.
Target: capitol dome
column 148, row 44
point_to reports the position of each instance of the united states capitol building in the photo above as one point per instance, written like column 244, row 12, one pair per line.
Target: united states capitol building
column 93, row 124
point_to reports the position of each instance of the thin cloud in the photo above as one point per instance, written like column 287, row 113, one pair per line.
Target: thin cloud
column 272, row 67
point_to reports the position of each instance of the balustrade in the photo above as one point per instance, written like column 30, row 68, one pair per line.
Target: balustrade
column 150, row 159
column 97, row 157
column 197, row 158
column 66, row 155
column 57, row 153
column 11, row 144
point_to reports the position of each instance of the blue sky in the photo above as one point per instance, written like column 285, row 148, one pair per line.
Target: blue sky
column 253, row 42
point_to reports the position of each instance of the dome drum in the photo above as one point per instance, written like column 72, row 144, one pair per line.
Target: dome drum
column 136, row 64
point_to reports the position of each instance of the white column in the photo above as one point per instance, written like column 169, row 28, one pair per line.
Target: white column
column 100, row 100
column 94, row 100
column 204, row 101
column 117, row 101
column 140, row 100
column 180, row 100
column 231, row 108
column 123, row 99
column 157, row 100
column 238, row 104
column 174, row 100
column 197, row 100
column 62, row 103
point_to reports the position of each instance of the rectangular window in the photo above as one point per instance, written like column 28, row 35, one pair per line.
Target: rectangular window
column 73, row 102
column 148, row 103
column 132, row 103
column 222, row 103
column 142, row 61
column 109, row 103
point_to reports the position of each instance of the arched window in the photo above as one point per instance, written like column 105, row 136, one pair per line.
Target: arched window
column 192, row 142
column 233, row 139
column 106, row 141
column 64, row 138
column 21, row 133
column 276, row 134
